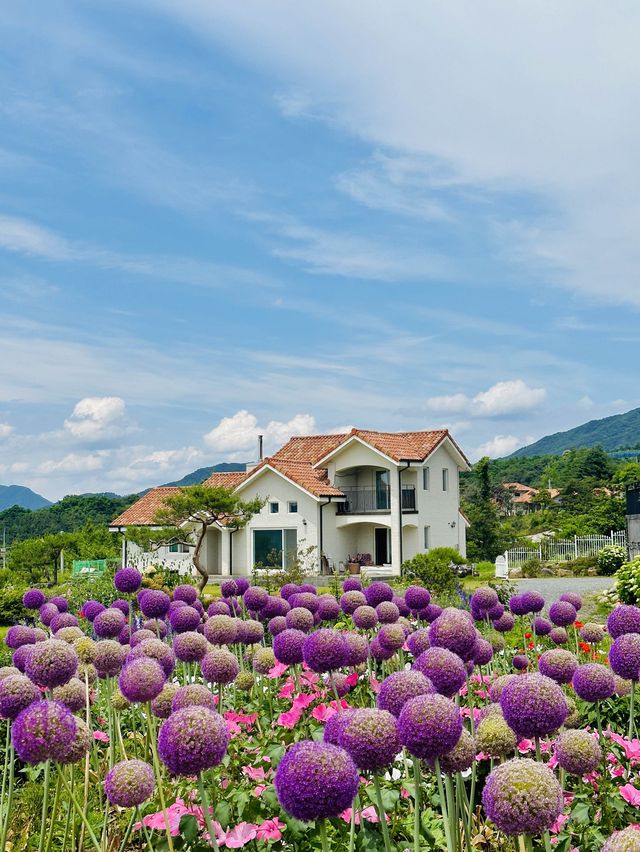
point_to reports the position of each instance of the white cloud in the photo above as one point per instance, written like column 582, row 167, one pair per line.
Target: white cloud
column 503, row 398
column 5, row 430
column 26, row 237
column 501, row 445
column 74, row 463
column 239, row 433
column 94, row 416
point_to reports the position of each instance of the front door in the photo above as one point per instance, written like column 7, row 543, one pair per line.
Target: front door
column 383, row 545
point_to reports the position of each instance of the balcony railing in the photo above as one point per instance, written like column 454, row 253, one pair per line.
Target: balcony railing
column 364, row 500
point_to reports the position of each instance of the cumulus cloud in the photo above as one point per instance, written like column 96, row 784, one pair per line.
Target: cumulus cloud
column 239, row 433
column 503, row 398
column 5, row 430
column 500, row 445
column 95, row 416
column 74, row 463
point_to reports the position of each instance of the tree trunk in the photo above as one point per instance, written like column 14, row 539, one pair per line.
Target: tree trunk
column 204, row 577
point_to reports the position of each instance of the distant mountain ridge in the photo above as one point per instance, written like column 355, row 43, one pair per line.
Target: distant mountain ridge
column 611, row 433
column 20, row 495
column 198, row 476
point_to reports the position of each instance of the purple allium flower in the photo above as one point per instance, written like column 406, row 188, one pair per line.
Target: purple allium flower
column 351, row 585
column 228, row 588
column 496, row 611
column 578, row 752
column 517, row 605
column 51, row 663
column 19, row 635
column 417, row 598
column 156, row 627
column 161, row 704
column 44, row 730
column 300, row 618
column 72, row 694
column 184, row 619
column 127, row 580
column 627, row 840
column 61, row 602
column 139, row 636
column 141, row 680
column 189, row 647
column 218, row 608
column 558, row 664
column 16, row 693
column 378, row 651
column 403, row 609
column 387, row 612
column 533, row 705
column 396, row 689
column 277, row 625
column 335, row 724
column 192, row 740
column 484, row 598
column 494, row 736
column 124, row 636
column 221, row 629
column 371, row 738
column 62, row 620
column 623, row 687
column 594, row 682
column 40, row 634
column 624, row 656
column 460, row 757
column 357, row 649
column 542, row 626
column 89, row 610
column 20, row 656
column 378, row 592
column 429, row 725
column 305, row 600
column 46, row 612
column 316, row 780
column 155, row 603
column 243, row 584
column 122, row 605
column 625, row 618
column 33, row 599
column 391, row 637
column 108, row 623
column 505, row 623
column 574, row 599
column 338, row 683
column 592, row 633
column 365, row 617
column 533, row 601
column 482, row 652
column 328, row 608
column 82, row 742
column 520, row 662
column 430, row 613
column 219, row 666
column 255, row 598
column 186, row 593
column 558, row 636
column 350, row 601
column 289, row 589
column 8, row 671
column 156, row 650
column 418, row 641
column 274, row 606
column 129, row 783
column 250, row 632
column 454, row 630
column 309, row 587
column 324, row 650
column 193, row 695
column 562, row 613
column 288, row 646
column 109, row 658
column 444, row 669
column 522, row 796
column 263, row 660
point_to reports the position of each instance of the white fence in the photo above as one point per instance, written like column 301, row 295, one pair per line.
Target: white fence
column 564, row 549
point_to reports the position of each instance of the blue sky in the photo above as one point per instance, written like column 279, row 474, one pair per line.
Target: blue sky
column 219, row 219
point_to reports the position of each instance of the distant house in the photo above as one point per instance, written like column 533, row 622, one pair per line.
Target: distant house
column 519, row 499
column 384, row 495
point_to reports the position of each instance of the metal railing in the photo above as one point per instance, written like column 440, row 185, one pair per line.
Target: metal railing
column 364, row 499
column 564, row 548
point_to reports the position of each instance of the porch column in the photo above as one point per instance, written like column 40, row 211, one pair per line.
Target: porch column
column 396, row 521
column 225, row 543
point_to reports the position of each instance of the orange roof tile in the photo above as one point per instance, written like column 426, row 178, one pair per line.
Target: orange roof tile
column 312, row 479
column 309, row 448
column 144, row 510
column 226, row 479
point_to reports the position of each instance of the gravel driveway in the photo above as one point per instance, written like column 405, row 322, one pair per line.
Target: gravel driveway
column 553, row 587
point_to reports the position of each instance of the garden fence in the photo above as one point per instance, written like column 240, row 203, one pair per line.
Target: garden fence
column 564, row 549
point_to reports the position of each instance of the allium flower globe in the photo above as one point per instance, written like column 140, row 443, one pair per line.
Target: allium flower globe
column 129, row 783
column 592, row 633
column 288, row 645
column 33, row 599
column 624, row 656
column 522, row 796
column 155, row 603
column 141, row 680
column 351, row 585
column 186, row 593
column 558, row 664
column 627, row 840
column 324, row 650
column 156, row 650
column 89, row 610
column 108, row 623
column 108, row 658
column 429, row 726
column 417, row 598
column 16, row 693
column 460, row 757
column 444, row 669
column 562, row 613
column 219, row 666
column 365, row 617
column 255, row 598
column 51, row 663
column 82, row 742
column 578, row 752
column 494, row 736
column 625, row 618
column 185, row 619
column 453, row 629
column 221, row 630
column 356, row 649
column 396, row 689
column 573, row 598
column 533, row 705
column 72, row 694
column 558, row 636
column 533, row 601
column 192, row 740
column 127, row 580
column 387, row 612
column 391, row 636
column 190, row 647
column 594, row 682
column 418, row 641
column 350, row 601
column 371, row 738
column 19, row 635
column 335, row 724
column 193, row 695
column 44, row 730
column 161, row 704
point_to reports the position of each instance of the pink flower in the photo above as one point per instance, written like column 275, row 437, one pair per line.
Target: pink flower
column 352, row 679
column 233, row 728
column 242, row 834
column 287, row 689
column 277, row 671
column 247, row 719
column 374, row 684
column 270, row 829
column 560, row 821
column 256, row 773
column 259, row 789
column 526, row 745
column 302, row 700
column 322, row 713
column 101, row 736
column 291, row 718
column 630, row 794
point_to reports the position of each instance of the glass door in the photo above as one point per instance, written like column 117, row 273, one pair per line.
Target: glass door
column 382, row 490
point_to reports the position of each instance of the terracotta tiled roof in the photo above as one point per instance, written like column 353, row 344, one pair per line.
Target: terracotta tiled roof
column 143, row 511
column 226, row 479
column 309, row 448
column 312, row 479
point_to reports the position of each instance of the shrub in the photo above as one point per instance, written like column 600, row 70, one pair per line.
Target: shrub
column 11, row 609
column 628, row 585
column 610, row 558
column 433, row 569
column 532, row 567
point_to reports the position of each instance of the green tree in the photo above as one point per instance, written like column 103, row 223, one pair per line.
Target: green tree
column 627, row 474
column 202, row 507
column 485, row 538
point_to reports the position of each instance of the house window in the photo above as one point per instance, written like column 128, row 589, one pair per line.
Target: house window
column 293, row 507
column 178, row 547
column 274, row 508
column 427, row 538
column 445, row 478
column 274, row 548
column 425, row 478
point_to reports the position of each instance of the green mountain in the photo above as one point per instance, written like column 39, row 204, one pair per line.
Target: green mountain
column 611, row 433
column 196, row 477
column 20, row 495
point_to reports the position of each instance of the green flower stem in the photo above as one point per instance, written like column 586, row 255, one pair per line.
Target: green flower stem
column 547, row 841
column 417, row 806
column 144, row 830
column 7, row 814
column 69, row 812
column 352, row 827
column 335, row 689
column 443, row 806
column 599, row 721
column 631, row 703
column 54, row 811
column 81, row 813
column 204, row 799
column 527, row 842
column 381, row 814
column 466, row 813
column 538, row 752
column 45, row 803
column 123, row 845
column 323, row 835
column 85, row 798
column 220, row 697
column 156, row 767
column 7, row 744
column 452, row 811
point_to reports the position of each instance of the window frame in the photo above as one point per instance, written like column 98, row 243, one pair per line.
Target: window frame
column 283, row 537
column 426, row 532
column 426, row 478
column 275, row 503
column 291, row 503
column 445, row 478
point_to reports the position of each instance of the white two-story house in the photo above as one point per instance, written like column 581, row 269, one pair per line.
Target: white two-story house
column 385, row 495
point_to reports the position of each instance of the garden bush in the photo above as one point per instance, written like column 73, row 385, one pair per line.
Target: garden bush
column 628, row 582
column 11, row 609
column 532, row 567
column 610, row 558
column 433, row 569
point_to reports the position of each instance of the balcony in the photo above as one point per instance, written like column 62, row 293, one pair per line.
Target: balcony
column 364, row 500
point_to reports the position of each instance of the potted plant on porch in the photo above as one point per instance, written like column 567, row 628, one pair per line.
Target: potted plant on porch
column 354, row 563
